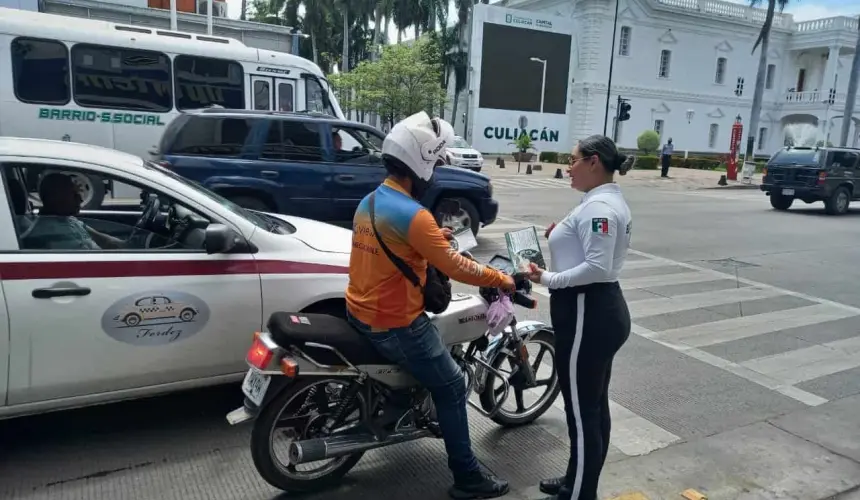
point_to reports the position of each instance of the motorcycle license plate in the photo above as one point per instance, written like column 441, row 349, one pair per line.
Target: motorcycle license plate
column 788, row 192
column 255, row 385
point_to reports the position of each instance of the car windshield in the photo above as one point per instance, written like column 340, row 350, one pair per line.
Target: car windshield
column 797, row 156
column 459, row 142
column 260, row 220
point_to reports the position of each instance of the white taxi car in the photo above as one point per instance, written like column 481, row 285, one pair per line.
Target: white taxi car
column 141, row 296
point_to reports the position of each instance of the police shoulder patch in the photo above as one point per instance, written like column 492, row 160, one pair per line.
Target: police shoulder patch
column 600, row 225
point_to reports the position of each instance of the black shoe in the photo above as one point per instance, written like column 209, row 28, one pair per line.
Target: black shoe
column 552, row 486
column 482, row 486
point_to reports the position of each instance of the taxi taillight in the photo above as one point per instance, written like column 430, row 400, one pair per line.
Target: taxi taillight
column 259, row 356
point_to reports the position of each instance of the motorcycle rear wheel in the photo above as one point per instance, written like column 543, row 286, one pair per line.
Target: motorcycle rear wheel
column 489, row 398
column 286, row 478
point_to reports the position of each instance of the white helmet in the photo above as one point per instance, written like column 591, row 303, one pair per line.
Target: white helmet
column 419, row 142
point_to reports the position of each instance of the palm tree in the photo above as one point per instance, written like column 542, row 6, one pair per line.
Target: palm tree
column 763, row 41
column 381, row 15
column 852, row 92
column 314, row 22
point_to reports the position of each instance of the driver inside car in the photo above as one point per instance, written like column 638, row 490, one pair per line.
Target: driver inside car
column 56, row 227
column 385, row 306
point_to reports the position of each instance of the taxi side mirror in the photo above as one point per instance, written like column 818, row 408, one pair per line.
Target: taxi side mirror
column 222, row 239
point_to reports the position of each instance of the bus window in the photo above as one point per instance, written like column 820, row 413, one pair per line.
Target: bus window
column 314, row 97
column 40, row 69
column 118, row 78
column 204, row 81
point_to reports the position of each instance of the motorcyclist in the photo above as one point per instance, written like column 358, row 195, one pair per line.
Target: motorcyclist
column 389, row 309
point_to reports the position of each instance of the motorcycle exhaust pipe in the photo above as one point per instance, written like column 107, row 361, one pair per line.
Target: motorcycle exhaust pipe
column 312, row 450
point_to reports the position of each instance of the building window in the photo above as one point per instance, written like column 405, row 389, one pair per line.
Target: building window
column 624, row 41
column 658, row 127
column 121, row 78
column 720, row 76
column 771, row 71
column 665, row 61
column 713, row 133
column 40, row 71
column 762, row 138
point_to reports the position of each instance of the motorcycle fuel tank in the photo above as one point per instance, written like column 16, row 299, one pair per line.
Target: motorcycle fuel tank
column 464, row 321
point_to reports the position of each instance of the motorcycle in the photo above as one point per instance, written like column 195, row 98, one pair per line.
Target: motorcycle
column 324, row 386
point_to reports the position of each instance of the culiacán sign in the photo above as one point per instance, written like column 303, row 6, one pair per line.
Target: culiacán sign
column 512, row 134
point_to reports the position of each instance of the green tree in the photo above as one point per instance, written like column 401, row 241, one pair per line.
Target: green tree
column 648, row 141
column 400, row 83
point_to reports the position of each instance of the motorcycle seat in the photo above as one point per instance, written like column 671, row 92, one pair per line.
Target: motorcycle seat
column 290, row 328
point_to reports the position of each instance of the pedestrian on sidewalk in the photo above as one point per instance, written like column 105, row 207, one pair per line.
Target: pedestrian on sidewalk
column 588, row 311
column 666, row 157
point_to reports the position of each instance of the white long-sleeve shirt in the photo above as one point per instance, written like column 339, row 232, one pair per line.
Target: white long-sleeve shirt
column 590, row 244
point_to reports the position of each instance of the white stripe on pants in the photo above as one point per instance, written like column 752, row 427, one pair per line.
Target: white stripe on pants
column 574, row 396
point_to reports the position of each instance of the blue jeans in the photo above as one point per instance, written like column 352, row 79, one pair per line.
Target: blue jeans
column 419, row 349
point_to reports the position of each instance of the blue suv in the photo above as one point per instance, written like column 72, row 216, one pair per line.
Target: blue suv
column 303, row 164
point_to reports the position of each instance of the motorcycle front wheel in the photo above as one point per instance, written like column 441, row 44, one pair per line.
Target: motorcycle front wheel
column 299, row 412
column 528, row 404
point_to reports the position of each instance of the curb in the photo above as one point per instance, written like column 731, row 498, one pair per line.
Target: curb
column 736, row 186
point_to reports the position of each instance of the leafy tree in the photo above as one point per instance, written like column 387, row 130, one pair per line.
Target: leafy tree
column 648, row 141
column 402, row 82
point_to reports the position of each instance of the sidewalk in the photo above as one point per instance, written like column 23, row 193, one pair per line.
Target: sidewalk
column 811, row 454
column 683, row 179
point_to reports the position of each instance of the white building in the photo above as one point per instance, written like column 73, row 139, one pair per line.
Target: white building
column 674, row 57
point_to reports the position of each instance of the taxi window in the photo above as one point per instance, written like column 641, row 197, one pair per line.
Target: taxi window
column 54, row 222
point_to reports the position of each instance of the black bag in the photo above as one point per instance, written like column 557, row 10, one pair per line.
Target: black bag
column 437, row 287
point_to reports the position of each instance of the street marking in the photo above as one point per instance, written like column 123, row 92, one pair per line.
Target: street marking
column 678, row 303
column 801, row 365
column 635, row 435
column 726, row 330
column 668, row 279
column 643, row 264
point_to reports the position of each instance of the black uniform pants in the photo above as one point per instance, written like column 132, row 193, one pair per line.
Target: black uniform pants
column 666, row 160
column 591, row 323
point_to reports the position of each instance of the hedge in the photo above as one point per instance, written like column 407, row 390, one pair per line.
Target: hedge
column 650, row 162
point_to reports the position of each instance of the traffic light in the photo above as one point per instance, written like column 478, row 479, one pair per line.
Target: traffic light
column 831, row 96
column 739, row 88
column 624, row 111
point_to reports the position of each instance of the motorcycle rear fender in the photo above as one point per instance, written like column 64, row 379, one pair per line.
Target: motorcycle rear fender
column 525, row 330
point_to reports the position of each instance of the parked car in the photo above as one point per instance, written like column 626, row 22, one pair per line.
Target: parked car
column 463, row 155
column 812, row 174
column 170, row 304
column 289, row 163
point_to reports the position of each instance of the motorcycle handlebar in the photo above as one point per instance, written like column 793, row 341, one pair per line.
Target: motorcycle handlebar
column 523, row 300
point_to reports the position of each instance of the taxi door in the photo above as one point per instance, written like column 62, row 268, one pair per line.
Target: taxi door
column 88, row 322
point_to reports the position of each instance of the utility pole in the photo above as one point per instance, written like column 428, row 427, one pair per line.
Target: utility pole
column 611, row 63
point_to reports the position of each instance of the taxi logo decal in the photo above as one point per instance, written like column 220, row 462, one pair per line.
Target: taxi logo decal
column 155, row 318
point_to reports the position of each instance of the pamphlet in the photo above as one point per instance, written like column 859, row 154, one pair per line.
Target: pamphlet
column 524, row 247
column 464, row 240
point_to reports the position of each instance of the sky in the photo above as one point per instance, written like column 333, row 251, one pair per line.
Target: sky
column 802, row 10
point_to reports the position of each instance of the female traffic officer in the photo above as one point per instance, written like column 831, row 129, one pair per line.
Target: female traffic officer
column 588, row 311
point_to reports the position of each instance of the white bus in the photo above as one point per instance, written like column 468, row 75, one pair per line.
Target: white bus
column 118, row 86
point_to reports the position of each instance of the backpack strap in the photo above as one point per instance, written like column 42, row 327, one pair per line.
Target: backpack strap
column 397, row 261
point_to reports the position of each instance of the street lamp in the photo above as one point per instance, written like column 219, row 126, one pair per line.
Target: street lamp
column 542, row 86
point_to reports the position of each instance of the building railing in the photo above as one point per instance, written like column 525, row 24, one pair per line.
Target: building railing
column 728, row 9
column 830, row 23
column 811, row 97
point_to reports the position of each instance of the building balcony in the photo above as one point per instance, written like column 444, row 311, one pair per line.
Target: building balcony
column 724, row 9
column 809, row 101
column 826, row 32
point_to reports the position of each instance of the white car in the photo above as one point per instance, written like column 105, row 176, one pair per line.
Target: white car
column 461, row 154
column 152, row 295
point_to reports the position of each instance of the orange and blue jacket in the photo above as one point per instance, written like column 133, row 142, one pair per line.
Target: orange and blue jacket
column 380, row 295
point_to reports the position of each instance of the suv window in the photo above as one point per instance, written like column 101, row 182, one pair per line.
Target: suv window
column 847, row 159
column 798, row 156
column 292, row 141
column 212, row 136
column 355, row 144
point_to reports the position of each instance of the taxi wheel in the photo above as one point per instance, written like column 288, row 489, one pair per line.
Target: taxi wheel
column 186, row 315
column 132, row 319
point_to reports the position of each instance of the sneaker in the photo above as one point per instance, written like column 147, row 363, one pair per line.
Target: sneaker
column 552, row 486
column 482, row 486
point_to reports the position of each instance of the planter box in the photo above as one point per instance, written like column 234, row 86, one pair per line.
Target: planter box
column 523, row 157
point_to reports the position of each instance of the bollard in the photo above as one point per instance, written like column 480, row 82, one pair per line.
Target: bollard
column 501, row 163
column 558, row 173
column 498, row 160
column 529, row 169
column 722, row 181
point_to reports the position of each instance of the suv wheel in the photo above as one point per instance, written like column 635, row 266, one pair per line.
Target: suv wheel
column 251, row 203
column 781, row 202
column 467, row 217
column 838, row 202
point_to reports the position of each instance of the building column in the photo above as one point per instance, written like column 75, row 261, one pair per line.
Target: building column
column 830, row 70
